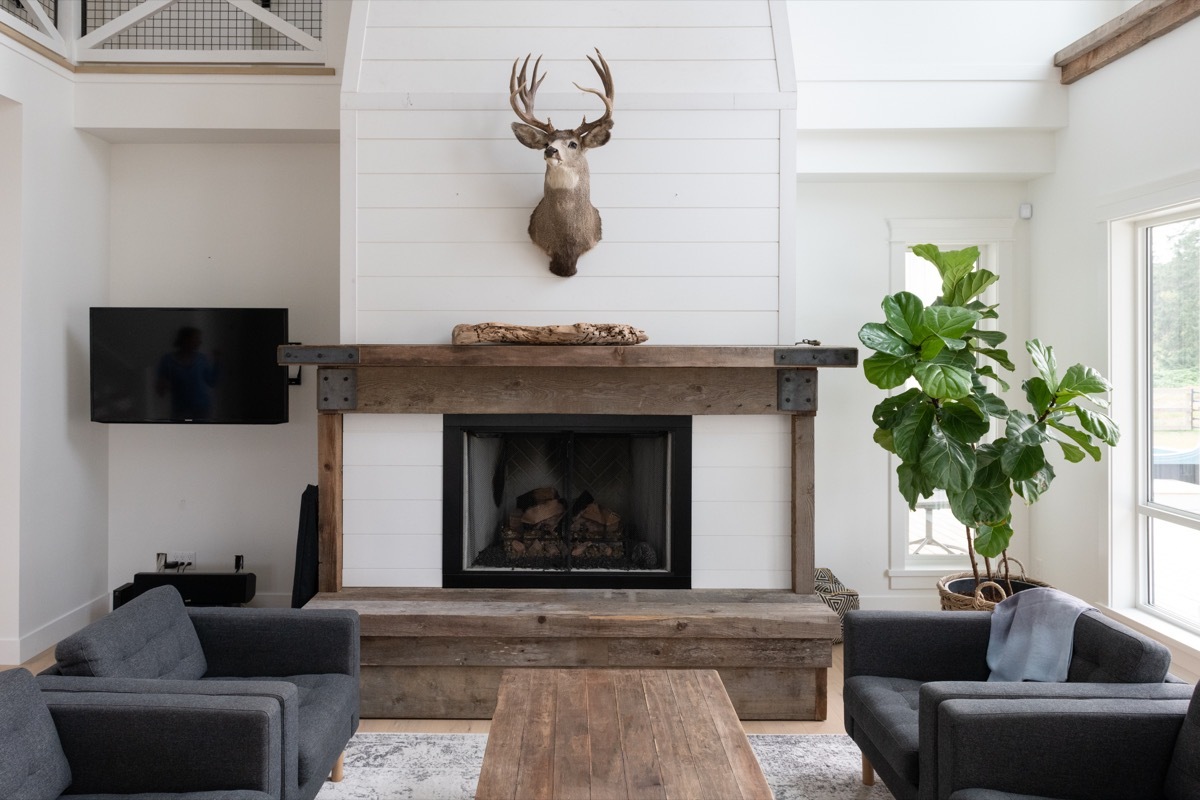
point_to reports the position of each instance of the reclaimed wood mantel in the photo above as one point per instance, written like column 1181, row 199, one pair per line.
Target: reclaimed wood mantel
column 565, row 379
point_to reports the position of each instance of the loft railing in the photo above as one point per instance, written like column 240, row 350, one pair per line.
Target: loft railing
column 174, row 31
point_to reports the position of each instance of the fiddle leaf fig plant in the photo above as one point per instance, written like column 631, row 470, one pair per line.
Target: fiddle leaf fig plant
column 938, row 428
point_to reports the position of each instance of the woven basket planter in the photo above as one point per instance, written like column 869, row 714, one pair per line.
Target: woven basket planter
column 958, row 592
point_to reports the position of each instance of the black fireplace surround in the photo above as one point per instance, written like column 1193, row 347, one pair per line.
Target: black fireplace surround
column 566, row 501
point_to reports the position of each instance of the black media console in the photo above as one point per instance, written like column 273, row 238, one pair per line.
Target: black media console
column 197, row 588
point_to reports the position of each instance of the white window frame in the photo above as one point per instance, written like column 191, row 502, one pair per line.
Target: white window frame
column 1120, row 219
column 995, row 239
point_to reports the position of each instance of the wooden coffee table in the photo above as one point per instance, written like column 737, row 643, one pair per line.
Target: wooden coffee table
column 561, row 734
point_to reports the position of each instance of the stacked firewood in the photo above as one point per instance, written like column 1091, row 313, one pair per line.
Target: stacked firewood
column 534, row 528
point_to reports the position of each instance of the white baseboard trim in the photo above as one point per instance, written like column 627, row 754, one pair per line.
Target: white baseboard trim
column 10, row 651
column 50, row 634
column 908, row 601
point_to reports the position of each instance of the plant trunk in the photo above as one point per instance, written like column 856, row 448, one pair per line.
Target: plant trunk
column 971, row 554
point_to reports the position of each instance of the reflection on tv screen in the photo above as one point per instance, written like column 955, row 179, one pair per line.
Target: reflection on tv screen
column 188, row 365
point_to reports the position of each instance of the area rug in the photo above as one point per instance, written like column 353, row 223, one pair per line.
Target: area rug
column 445, row 766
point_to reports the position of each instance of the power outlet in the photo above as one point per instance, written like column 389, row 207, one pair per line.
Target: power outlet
column 182, row 557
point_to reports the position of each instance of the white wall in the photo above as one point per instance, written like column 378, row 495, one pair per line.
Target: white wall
column 59, row 536
column 688, row 187
column 11, row 148
column 1133, row 128
column 221, row 225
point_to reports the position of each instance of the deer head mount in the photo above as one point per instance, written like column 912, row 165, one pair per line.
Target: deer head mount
column 565, row 224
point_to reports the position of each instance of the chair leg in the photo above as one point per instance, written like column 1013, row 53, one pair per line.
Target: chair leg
column 868, row 778
column 338, row 770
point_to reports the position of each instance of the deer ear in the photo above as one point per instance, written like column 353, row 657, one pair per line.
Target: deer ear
column 598, row 137
column 530, row 136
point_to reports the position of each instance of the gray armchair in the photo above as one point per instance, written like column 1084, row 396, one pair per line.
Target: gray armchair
column 305, row 662
column 900, row 667
column 97, row 745
column 1102, row 749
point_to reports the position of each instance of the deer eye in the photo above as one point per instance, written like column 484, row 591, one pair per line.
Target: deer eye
column 572, row 145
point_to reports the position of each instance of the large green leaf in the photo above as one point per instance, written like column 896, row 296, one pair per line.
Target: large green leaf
column 990, row 338
column 931, row 348
column 949, row 322
column 885, row 438
column 1079, row 380
column 1083, row 440
column 991, row 541
column 1100, row 425
column 887, row 412
column 878, row 336
column 952, row 265
column 1038, row 394
column 1035, row 486
column 971, row 286
column 992, row 405
column 1044, row 362
column 887, row 371
column 913, row 484
column 999, row 356
column 1022, row 455
column 943, row 381
column 949, row 464
column 1072, row 453
column 981, row 505
column 962, row 422
column 912, row 429
column 988, row 372
column 903, row 312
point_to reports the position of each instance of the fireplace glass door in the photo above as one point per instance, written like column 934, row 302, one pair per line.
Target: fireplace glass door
column 567, row 501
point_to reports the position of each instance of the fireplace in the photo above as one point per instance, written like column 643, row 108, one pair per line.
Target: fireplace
column 566, row 501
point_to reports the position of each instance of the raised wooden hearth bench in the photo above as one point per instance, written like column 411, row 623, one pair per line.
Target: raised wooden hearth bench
column 439, row 653
column 632, row 734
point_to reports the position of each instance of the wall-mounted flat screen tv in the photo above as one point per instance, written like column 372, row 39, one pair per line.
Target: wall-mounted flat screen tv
column 188, row 365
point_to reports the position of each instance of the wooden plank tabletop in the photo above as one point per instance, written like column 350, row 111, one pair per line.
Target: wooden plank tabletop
column 561, row 734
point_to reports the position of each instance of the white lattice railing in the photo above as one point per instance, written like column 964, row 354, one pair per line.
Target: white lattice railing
column 34, row 20
column 174, row 31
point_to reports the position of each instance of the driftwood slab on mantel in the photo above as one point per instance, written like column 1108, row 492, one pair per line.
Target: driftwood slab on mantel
column 599, row 333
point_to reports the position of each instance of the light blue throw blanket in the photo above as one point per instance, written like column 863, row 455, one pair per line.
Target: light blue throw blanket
column 1032, row 635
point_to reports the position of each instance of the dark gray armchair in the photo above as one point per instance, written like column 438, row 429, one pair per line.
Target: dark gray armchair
column 305, row 662
column 900, row 667
column 1100, row 749
column 96, row 745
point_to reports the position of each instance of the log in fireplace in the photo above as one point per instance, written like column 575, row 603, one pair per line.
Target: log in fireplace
column 566, row 501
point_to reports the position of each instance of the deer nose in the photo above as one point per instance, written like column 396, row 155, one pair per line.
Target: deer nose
column 551, row 150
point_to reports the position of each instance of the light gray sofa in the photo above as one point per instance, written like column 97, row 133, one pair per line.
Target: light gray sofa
column 99, row 745
column 305, row 662
column 901, row 667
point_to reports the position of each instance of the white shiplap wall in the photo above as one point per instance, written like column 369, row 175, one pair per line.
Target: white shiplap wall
column 692, row 190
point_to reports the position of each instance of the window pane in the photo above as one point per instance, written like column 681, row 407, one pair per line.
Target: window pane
column 1174, row 553
column 1174, row 265
column 932, row 529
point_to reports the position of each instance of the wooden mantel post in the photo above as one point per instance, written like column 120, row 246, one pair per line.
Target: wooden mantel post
column 803, row 505
column 565, row 379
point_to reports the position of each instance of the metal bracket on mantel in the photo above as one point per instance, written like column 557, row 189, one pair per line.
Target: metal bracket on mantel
column 797, row 390
column 299, row 354
column 337, row 389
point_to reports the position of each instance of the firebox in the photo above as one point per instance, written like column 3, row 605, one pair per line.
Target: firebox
column 565, row 501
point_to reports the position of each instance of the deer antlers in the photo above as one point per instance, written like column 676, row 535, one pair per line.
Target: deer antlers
column 606, row 80
column 522, row 94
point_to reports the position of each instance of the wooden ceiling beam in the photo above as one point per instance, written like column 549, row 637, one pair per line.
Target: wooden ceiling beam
column 1141, row 24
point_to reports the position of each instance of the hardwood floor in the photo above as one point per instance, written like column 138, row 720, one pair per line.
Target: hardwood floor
column 832, row 724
